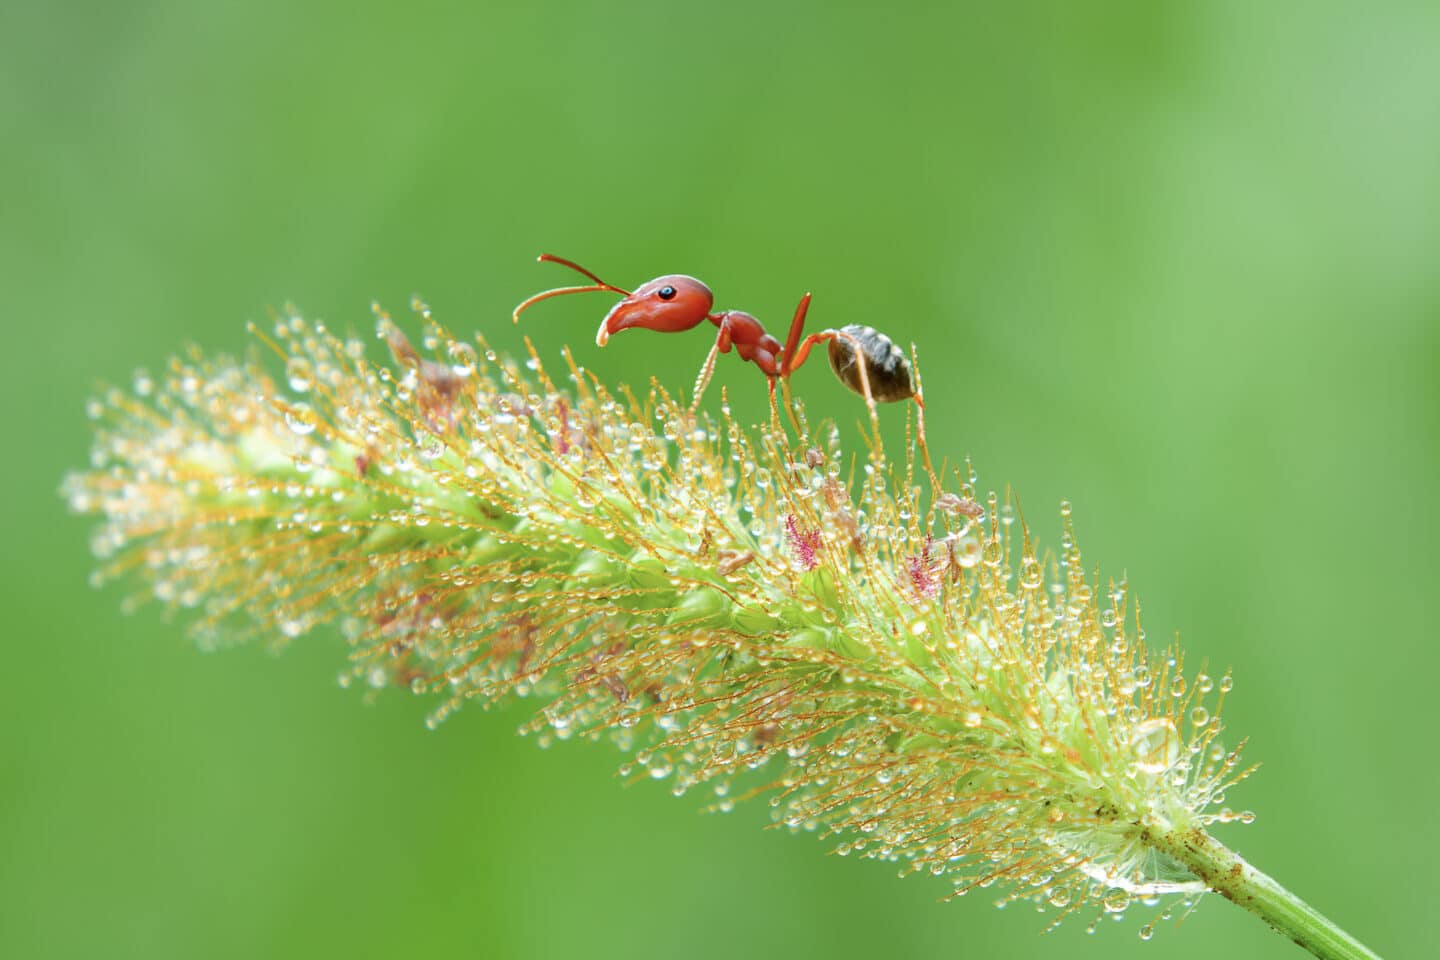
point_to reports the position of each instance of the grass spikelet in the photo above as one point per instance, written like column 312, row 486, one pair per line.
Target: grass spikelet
column 900, row 670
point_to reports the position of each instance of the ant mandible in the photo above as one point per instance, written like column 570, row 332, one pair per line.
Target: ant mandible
column 863, row 359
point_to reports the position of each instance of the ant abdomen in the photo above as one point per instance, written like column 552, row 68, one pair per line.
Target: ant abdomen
column 886, row 366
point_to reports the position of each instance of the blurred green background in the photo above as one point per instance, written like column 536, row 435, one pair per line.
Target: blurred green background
column 1176, row 262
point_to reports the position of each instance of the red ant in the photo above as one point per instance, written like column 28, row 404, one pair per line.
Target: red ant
column 676, row 302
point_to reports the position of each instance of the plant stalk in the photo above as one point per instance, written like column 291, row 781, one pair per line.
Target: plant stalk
column 1228, row 874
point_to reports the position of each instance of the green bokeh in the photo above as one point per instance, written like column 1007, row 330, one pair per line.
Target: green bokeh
column 1176, row 262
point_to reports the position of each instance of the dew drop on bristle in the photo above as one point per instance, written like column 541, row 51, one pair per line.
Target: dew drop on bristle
column 968, row 550
column 1156, row 744
column 301, row 420
column 299, row 374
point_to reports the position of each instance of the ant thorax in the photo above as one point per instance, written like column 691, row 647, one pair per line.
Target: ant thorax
column 886, row 366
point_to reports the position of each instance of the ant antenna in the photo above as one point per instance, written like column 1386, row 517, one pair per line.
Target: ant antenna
column 598, row 286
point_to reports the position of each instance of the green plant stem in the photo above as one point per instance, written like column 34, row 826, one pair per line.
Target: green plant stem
column 1228, row 874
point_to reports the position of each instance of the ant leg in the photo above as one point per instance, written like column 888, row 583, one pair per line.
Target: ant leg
column 802, row 353
column 789, row 404
column 795, row 359
column 707, row 370
column 775, row 409
column 925, row 447
column 920, row 424
column 797, row 326
column 702, row 380
column 865, row 387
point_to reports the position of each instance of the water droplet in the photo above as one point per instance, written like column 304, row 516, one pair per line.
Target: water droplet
column 299, row 374
column 300, row 418
column 1199, row 716
column 1031, row 576
column 1156, row 745
column 462, row 359
column 1115, row 901
column 967, row 550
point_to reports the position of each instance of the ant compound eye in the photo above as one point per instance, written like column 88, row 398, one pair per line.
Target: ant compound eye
column 667, row 293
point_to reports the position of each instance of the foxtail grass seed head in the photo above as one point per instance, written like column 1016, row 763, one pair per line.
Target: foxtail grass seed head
column 743, row 612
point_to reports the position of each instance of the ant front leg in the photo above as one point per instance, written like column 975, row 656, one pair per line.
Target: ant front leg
column 707, row 369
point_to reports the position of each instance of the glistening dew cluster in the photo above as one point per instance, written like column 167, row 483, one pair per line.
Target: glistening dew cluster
column 743, row 611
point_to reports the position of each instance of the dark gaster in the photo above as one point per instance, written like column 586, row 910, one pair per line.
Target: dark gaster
column 886, row 365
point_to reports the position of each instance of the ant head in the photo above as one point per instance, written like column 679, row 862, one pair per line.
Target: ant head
column 668, row 304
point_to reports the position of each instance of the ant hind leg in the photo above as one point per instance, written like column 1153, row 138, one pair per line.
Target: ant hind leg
column 922, row 444
column 919, row 398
